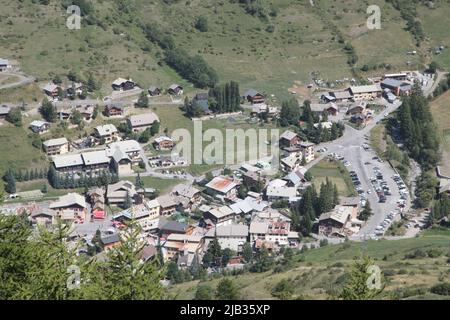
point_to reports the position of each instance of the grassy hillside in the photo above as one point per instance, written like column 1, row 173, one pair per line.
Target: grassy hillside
column 440, row 109
column 270, row 51
column 319, row 272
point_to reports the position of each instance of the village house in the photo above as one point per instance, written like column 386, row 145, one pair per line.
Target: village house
column 51, row 89
column 4, row 110
column 70, row 207
column 289, row 139
column 254, row 97
column 40, row 127
column 333, row 223
column 129, row 147
column 86, row 112
column 123, row 84
column 338, row 96
column 74, row 89
column 397, row 87
column 4, row 64
column 402, row 76
column 231, row 236
column 64, row 114
column 97, row 201
column 222, row 187
column 358, row 108
column 296, row 178
column 175, row 90
column 142, row 121
column 110, row 241
column 56, row 146
column 182, row 245
column 167, row 205
column 167, row 227
column 154, row 91
column 307, row 149
column 68, row 163
column 145, row 214
column 42, row 217
column 163, row 143
column 367, row 92
column 270, row 228
column 262, row 108
column 96, row 160
column 106, row 133
column 220, row 216
column 319, row 108
column 115, row 109
column 117, row 193
column 292, row 161
column 254, row 180
column 279, row 190
column 187, row 191
column 122, row 163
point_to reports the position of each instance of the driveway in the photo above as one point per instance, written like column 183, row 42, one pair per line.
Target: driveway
column 23, row 80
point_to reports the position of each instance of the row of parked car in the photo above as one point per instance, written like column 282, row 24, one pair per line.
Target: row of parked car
column 359, row 189
column 384, row 225
column 402, row 190
column 380, row 185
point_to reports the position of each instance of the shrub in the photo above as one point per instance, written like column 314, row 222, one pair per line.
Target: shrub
column 442, row 289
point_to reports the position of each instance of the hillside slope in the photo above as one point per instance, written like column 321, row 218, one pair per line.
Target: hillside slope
column 268, row 46
column 318, row 273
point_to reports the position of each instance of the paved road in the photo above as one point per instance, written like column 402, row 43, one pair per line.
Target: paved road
column 23, row 80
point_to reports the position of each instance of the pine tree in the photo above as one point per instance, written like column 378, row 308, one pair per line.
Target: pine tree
column 48, row 110
column 335, row 195
column 366, row 212
column 203, row 292
column 125, row 276
column 226, row 290
column 128, row 202
column 357, row 287
column 143, row 101
column 10, row 182
column 247, row 252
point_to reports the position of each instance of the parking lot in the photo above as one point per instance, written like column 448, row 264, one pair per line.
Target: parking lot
column 375, row 181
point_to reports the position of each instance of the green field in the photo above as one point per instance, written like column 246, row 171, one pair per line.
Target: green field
column 336, row 173
column 440, row 109
column 322, row 270
column 163, row 185
column 172, row 118
column 17, row 152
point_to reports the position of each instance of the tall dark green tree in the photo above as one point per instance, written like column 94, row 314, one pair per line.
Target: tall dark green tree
column 48, row 111
column 227, row 290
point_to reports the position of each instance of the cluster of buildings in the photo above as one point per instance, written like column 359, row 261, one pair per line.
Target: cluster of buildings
column 119, row 156
column 398, row 84
column 121, row 84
